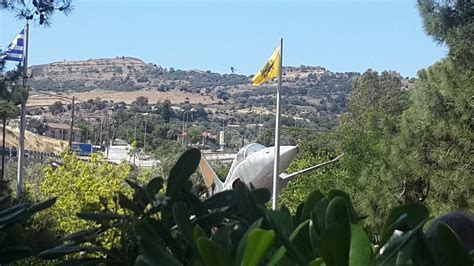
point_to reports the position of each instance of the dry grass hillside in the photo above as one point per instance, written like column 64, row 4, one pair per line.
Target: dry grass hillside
column 34, row 142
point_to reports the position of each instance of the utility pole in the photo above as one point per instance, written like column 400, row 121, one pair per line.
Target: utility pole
column 144, row 137
column 107, row 132
column 71, row 131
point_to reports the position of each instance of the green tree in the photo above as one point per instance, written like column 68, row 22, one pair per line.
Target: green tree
column 452, row 23
column 82, row 186
column 42, row 10
column 435, row 152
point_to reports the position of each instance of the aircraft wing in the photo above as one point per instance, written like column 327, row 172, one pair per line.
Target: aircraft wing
column 285, row 178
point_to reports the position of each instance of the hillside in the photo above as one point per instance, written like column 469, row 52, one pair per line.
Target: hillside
column 312, row 93
column 34, row 142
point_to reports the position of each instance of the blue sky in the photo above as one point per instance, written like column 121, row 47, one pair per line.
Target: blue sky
column 215, row 35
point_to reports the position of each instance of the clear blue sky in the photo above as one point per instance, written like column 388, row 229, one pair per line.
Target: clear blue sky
column 215, row 35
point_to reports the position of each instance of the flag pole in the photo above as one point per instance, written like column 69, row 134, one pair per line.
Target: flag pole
column 22, row 125
column 276, row 166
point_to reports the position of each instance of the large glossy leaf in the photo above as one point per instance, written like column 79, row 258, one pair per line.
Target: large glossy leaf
column 218, row 200
column 154, row 186
column 42, row 205
column 337, row 213
column 82, row 236
column 335, row 242
column 63, row 250
column 396, row 243
column 361, row 248
column 182, row 170
column 210, row 220
column 299, row 211
column 281, row 221
column 318, row 215
column 259, row 242
column 314, row 237
column 452, row 247
column 243, row 242
column 301, row 239
column 128, row 204
column 424, row 255
column 339, row 193
column 415, row 212
column 11, row 254
column 311, row 202
column 261, row 195
column 181, row 217
column 334, row 245
column 13, row 215
column 212, row 254
column 198, row 232
column 152, row 247
column 99, row 217
column 246, row 203
column 140, row 197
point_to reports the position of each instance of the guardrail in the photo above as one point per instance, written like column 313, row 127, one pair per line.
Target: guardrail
column 35, row 155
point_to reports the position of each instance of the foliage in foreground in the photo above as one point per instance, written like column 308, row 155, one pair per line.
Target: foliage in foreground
column 174, row 227
column 82, row 186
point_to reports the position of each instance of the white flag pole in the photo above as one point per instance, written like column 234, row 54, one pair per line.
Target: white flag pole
column 22, row 125
column 276, row 166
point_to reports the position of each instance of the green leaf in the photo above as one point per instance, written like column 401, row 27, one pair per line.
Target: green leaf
column 152, row 248
column 334, row 245
column 261, row 195
column 299, row 211
column 301, row 239
column 182, row 170
column 212, row 254
column 154, row 186
column 128, row 204
column 42, row 205
column 218, row 200
column 310, row 203
column 313, row 236
column 198, row 232
column 361, row 248
column 415, row 212
column 318, row 215
column 11, row 254
column 259, row 242
column 13, row 215
column 63, row 250
column 242, row 244
column 281, row 221
column 339, row 193
column 452, row 247
column 337, row 213
column 317, row 262
column 335, row 242
column 246, row 203
column 424, row 255
column 181, row 217
column 82, row 236
column 396, row 243
column 99, row 217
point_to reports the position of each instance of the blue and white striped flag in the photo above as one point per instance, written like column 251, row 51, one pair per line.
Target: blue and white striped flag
column 14, row 52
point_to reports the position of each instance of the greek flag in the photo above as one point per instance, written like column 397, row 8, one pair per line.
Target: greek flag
column 14, row 52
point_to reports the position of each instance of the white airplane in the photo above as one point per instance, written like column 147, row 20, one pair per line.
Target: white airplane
column 253, row 164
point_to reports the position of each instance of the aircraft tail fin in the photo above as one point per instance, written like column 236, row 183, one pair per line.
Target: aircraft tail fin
column 210, row 177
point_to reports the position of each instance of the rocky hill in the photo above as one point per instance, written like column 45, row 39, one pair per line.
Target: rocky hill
column 311, row 93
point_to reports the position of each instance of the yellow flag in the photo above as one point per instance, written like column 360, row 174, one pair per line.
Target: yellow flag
column 269, row 70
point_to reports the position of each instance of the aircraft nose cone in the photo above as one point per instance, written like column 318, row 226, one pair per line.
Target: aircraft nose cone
column 288, row 153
